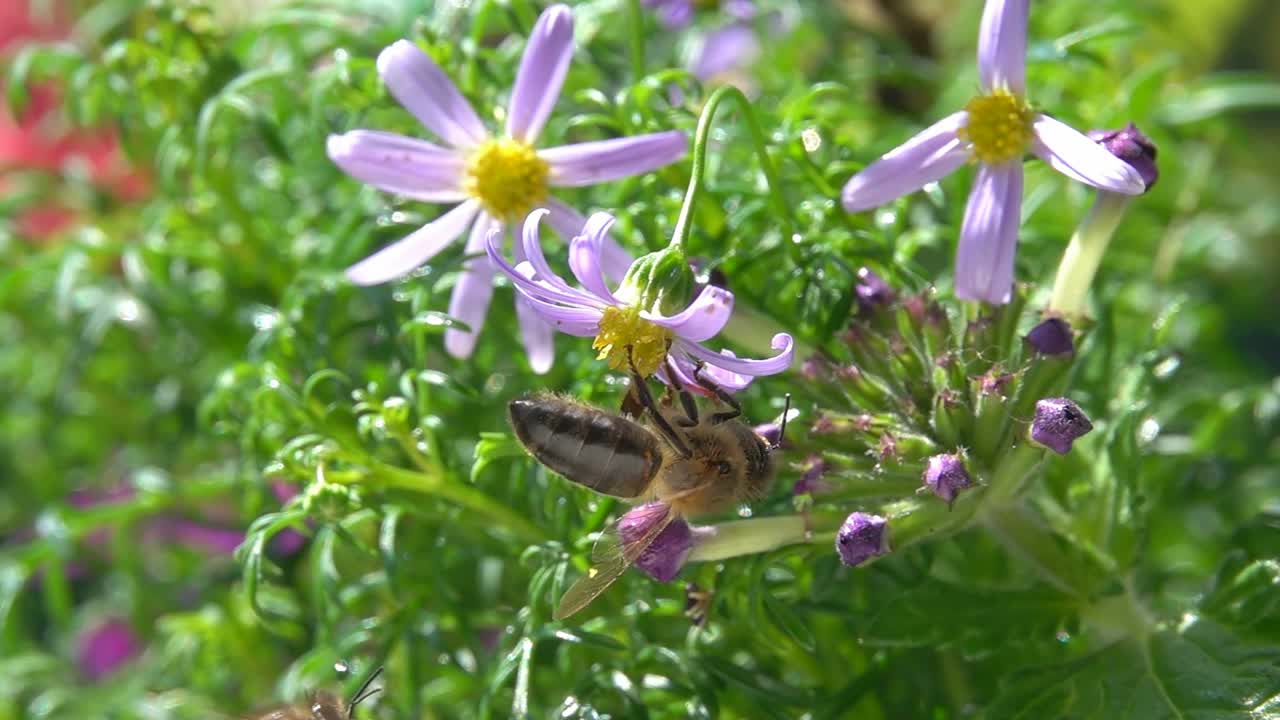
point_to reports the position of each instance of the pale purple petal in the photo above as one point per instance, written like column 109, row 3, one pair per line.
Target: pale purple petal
column 473, row 291
column 727, row 380
column 531, row 248
column 424, row 90
column 398, row 164
column 569, row 222
column 538, row 336
column 530, row 282
column 573, row 320
column 989, row 235
column 770, row 366
column 589, row 163
column 725, row 49
column 1073, row 154
column 542, row 70
column 406, row 255
column 1002, row 46
column 705, row 317
column 584, row 256
column 929, row 156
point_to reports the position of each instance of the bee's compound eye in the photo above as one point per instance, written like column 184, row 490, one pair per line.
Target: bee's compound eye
column 723, row 467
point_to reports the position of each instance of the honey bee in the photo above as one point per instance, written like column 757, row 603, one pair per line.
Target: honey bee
column 693, row 463
column 324, row 706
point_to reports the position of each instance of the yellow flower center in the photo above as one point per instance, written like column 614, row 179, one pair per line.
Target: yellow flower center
column 999, row 127
column 623, row 328
column 507, row 177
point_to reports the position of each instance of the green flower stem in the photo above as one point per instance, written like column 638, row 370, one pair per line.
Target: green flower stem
column 636, row 18
column 450, row 489
column 926, row 518
column 1014, row 469
column 1116, row 617
column 1022, row 534
column 700, row 141
column 754, row 331
column 1084, row 253
column 748, row 537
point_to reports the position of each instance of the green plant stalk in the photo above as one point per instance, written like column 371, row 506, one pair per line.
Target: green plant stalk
column 450, row 489
column 1084, row 253
column 1024, row 537
column 635, row 16
column 702, row 137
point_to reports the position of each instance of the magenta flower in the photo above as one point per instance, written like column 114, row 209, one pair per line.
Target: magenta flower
column 666, row 553
column 622, row 329
column 995, row 130
column 494, row 179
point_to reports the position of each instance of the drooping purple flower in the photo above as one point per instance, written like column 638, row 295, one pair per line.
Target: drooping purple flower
column 1133, row 147
column 622, row 329
column 665, row 555
column 862, row 537
column 494, row 179
column 105, row 647
column 1052, row 337
column 945, row 476
column 995, row 129
column 1057, row 424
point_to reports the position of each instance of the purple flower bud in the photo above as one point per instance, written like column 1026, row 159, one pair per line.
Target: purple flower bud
column 862, row 537
column 888, row 449
column 811, row 481
column 994, row 383
column 665, row 556
column 105, row 648
column 946, row 476
column 1058, row 423
column 814, row 367
column 1052, row 337
column 872, row 291
column 1131, row 146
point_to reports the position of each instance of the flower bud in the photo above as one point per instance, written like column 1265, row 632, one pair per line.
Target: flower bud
column 811, row 481
column 862, row 537
column 105, row 648
column 1052, row 337
column 1058, row 422
column 661, row 281
column 872, row 291
column 666, row 554
column 946, row 476
column 1131, row 146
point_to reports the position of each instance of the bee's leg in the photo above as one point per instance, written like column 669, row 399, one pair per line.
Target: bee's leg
column 721, row 393
column 667, row 432
column 686, row 400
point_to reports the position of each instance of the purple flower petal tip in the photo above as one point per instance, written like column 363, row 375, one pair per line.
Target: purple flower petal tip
column 103, row 649
column 1132, row 146
column 1057, row 424
column 1052, row 337
column 945, row 476
column 666, row 554
column 862, row 537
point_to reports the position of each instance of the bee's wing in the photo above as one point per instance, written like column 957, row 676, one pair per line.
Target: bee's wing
column 610, row 557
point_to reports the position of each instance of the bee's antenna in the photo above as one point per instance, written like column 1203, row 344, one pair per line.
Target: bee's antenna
column 782, row 430
column 361, row 694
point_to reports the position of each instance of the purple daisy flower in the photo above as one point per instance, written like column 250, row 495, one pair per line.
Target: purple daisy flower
column 995, row 130
column 494, row 179
column 618, row 323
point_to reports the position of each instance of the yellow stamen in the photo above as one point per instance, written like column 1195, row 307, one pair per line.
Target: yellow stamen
column 507, row 177
column 999, row 127
column 623, row 328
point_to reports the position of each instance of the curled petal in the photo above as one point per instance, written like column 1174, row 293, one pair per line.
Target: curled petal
column 569, row 223
column 472, row 293
column 404, row 256
column 930, row 155
column 424, row 90
column 398, row 164
column 1073, row 154
column 685, row 370
column 589, row 163
column 770, row 366
column 1002, row 46
column 705, row 317
column 529, row 282
column 542, row 70
column 539, row 345
column 572, row 320
column 584, row 256
column 530, row 248
column 989, row 235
